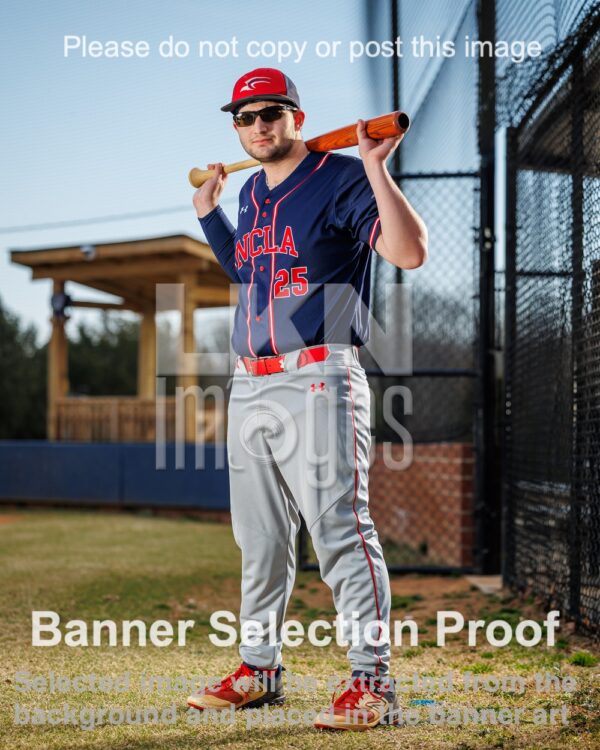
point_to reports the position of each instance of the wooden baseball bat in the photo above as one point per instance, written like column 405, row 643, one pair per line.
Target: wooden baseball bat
column 384, row 126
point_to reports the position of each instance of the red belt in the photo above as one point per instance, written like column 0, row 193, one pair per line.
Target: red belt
column 268, row 365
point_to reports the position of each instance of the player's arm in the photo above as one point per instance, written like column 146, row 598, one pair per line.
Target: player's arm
column 403, row 237
column 218, row 230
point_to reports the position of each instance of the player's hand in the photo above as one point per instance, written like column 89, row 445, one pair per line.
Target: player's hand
column 207, row 196
column 372, row 151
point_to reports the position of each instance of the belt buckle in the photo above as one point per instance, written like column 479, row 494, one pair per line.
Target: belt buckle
column 274, row 364
column 264, row 365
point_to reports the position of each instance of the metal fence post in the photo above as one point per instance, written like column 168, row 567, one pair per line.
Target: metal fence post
column 487, row 505
column 510, row 299
column 578, row 468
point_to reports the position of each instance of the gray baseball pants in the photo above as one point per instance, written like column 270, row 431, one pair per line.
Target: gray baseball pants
column 298, row 443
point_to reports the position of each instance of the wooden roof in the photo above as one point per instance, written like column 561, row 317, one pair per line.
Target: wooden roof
column 131, row 269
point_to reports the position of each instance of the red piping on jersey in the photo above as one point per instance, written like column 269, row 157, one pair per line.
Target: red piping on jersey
column 274, row 240
column 369, row 561
column 373, row 231
column 252, row 352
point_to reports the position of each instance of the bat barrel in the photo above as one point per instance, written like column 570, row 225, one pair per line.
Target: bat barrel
column 390, row 125
column 403, row 121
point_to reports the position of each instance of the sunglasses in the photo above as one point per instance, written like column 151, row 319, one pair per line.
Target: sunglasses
column 268, row 114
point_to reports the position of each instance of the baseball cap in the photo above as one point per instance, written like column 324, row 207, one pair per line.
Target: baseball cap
column 263, row 83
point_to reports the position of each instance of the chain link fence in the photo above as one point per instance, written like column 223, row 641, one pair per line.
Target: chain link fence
column 551, row 487
column 442, row 295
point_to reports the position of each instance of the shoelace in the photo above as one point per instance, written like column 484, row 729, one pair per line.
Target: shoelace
column 349, row 698
column 236, row 681
column 233, row 680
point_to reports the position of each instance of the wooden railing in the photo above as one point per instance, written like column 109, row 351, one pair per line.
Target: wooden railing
column 129, row 419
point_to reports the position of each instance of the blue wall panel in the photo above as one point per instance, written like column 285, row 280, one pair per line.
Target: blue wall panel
column 72, row 472
column 119, row 474
column 188, row 487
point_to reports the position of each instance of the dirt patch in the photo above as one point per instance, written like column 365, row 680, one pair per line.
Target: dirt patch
column 5, row 520
column 412, row 595
column 208, row 597
column 415, row 596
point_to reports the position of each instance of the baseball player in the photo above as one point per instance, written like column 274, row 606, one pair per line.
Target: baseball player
column 299, row 411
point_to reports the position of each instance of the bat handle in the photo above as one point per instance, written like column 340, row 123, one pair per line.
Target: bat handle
column 198, row 177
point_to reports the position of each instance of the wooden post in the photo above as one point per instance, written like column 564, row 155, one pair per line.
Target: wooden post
column 189, row 345
column 147, row 356
column 58, row 375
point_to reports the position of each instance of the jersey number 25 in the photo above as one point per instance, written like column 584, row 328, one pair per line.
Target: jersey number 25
column 298, row 285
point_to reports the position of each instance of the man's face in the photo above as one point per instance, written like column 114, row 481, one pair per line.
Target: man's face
column 269, row 141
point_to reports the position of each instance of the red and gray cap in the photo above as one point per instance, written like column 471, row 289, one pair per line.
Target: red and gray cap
column 260, row 84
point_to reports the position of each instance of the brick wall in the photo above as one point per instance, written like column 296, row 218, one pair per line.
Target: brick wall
column 423, row 512
column 426, row 510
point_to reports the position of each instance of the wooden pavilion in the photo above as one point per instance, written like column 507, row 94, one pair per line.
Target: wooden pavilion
column 131, row 270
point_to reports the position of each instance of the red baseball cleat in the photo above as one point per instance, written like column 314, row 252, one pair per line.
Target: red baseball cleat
column 363, row 705
column 247, row 687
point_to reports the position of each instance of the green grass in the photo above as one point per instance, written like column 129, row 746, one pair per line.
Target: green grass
column 106, row 566
column 404, row 602
column 584, row 659
column 480, row 667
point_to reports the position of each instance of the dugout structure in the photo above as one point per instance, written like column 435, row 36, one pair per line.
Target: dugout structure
column 106, row 451
column 130, row 270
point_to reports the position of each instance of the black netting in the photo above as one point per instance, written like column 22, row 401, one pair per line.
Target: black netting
column 552, row 407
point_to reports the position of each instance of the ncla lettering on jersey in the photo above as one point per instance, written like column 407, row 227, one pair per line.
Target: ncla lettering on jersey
column 315, row 228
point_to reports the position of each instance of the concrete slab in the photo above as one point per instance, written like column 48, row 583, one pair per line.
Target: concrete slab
column 487, row 584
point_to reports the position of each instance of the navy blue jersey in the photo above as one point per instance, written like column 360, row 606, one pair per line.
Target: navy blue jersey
column 302, row 255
